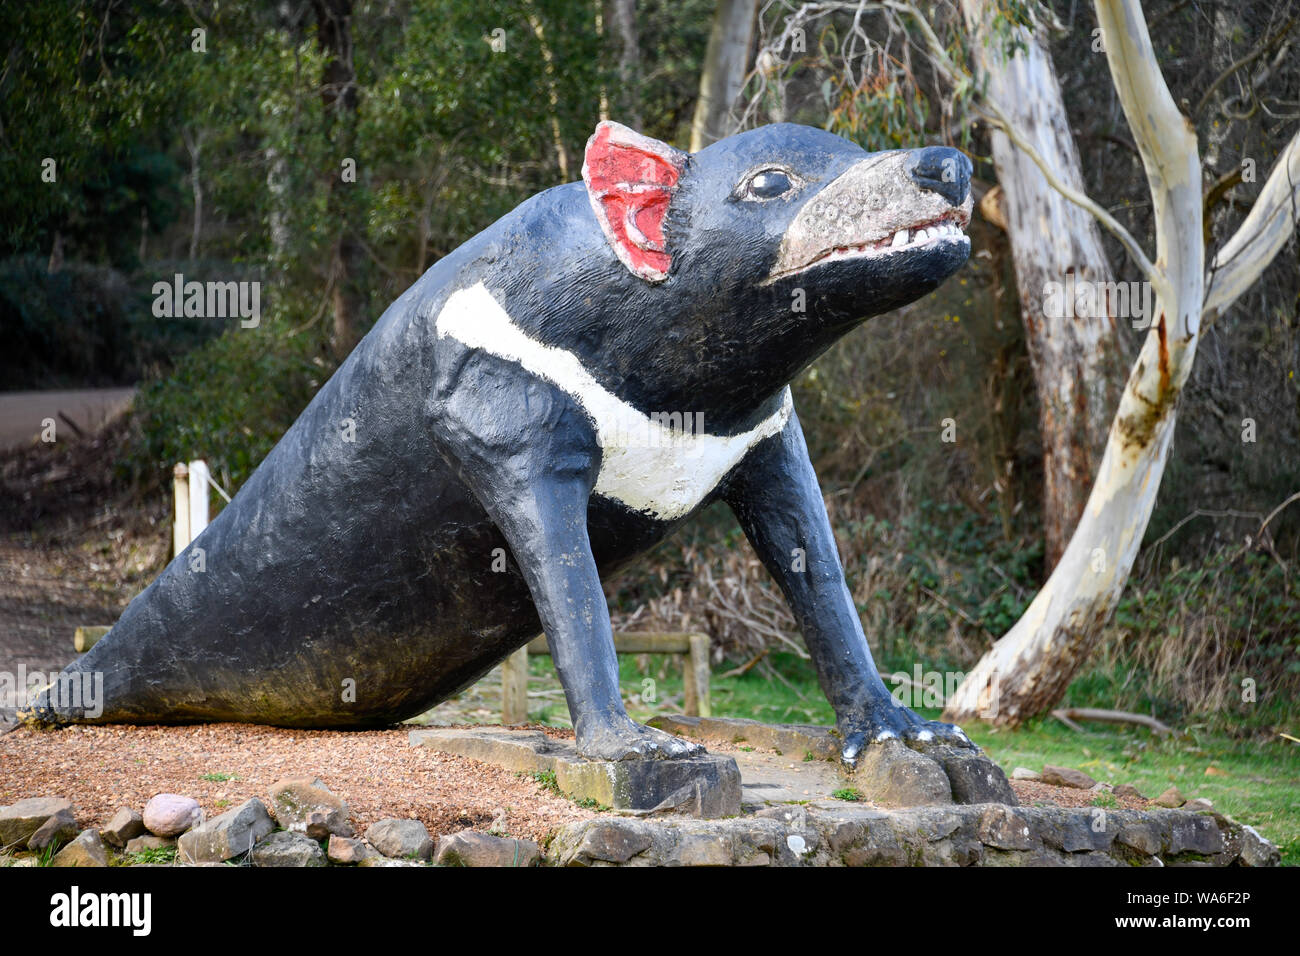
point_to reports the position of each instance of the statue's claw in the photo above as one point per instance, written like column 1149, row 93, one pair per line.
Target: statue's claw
column 628, row 740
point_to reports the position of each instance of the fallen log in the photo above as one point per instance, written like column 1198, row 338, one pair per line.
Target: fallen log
column 1069, row 715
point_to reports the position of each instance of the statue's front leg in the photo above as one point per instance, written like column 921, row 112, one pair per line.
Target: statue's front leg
column 775, row 496
column 531, row 458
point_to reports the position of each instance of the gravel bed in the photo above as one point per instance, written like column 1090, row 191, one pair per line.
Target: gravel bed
column 103, row 768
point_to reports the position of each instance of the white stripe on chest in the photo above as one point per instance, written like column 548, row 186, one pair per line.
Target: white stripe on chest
column 645, row 464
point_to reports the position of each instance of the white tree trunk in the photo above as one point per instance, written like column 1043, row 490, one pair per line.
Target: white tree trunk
column 277, row 184
column 1078, row 372
column 1030, row 667
column 726, row 62
column 1266, row 230
column 628, row 97
column 194, row 145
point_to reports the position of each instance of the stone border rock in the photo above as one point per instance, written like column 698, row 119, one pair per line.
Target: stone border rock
column 972, row 835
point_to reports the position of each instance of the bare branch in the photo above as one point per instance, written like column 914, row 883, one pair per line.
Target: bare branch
column 1262, row 50
column 995, row 115
column 1167, row 144
column 1267, row 228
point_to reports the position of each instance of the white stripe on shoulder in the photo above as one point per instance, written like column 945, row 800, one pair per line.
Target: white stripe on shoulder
column 656, row 463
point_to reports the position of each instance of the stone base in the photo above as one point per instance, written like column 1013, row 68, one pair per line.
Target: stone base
column 989, row 835
column 704, row 786
column 792, row 740
column 888, row 773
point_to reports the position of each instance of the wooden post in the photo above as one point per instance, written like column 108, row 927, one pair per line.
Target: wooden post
column 697, row 678
column 181, row 495
column 87, row 635
column 514, row 687
column 695, row 667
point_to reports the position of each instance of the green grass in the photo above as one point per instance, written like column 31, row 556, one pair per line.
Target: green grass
column 219, row 777
column 547, row 779
column 750, row 695
column 161, row 854
column 852, row 794
column 1261, row 788
column 46, row 856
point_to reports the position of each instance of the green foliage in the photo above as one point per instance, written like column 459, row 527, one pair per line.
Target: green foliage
column 78, row 89
column 950, row 565
column 450, row 135
column 161, row 854
column 878, row 114
column 227, row 402
column 46, row 856
column 1006, row 23
column 1217, row 639
column 83, row 325
column 852, row 794
column 547, row 780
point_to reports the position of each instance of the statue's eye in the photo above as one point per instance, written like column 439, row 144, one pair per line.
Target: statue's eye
column 767, row 184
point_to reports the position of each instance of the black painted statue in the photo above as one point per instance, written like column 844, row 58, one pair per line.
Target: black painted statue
column 505, row 437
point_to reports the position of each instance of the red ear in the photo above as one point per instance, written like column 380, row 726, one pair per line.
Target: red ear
column 630, row 180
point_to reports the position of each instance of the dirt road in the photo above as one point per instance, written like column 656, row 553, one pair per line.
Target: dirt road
column 22, row 413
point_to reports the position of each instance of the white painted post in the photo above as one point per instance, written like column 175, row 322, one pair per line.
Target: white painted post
column 190, row 491
column 199, row 496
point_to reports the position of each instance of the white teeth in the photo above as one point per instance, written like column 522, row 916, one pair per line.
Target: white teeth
column 904, row 238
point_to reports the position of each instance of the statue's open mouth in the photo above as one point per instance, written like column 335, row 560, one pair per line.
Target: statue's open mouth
column 921, row 234
column 946, row 228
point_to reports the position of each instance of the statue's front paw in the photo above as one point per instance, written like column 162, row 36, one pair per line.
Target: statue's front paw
column 628, row 740
column 890, row 722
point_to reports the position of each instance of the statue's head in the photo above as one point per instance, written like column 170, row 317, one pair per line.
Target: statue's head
column 783, row 207
column 736, row 266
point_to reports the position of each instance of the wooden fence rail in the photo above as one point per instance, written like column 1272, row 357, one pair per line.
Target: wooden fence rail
column 694, row 647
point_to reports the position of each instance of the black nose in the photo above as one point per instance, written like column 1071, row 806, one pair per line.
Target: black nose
column 942, row 170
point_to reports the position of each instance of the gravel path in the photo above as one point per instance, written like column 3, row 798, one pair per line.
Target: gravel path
column 103, row 768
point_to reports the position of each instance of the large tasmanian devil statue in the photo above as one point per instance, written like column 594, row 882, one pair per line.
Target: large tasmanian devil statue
column 503, row 439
